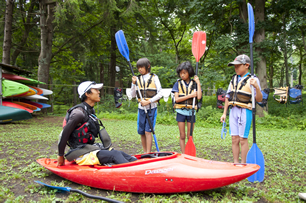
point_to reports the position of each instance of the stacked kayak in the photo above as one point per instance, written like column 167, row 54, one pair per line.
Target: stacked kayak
column 10, row 114
column 17, row 93
column 161, row 172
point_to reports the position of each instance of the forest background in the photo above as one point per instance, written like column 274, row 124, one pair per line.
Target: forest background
column 66, row 42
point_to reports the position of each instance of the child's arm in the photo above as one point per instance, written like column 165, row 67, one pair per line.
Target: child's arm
column 199, row 90
column 254, row 83
column 158, row 88
column 223, row 117
column 133, row 87
column 180, row 99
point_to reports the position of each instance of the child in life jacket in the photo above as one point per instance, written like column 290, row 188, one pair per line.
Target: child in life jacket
column 239, row 99
column 184, row 93
column 150, row 89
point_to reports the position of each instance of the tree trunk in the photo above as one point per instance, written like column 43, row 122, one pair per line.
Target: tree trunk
column 7, row 41
column 285, row 50
column 243, row 11
column 112, row 64
column 46, row 27
column 281, row 82
column 259, row 36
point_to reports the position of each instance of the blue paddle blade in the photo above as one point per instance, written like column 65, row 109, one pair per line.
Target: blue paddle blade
column 66, row 189
column 122, row 45
column 255, row 156
column 251, row 23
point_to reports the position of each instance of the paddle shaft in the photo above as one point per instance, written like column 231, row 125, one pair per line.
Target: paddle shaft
column 69, row 189
column 95, row 197
column 147, row 115
column 253, row 95
column 193, row 104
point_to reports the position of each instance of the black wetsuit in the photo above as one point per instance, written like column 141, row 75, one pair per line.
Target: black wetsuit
column 78, row 116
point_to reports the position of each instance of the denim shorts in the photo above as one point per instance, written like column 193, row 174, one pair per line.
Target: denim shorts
column 142, row 121
column 182, row 118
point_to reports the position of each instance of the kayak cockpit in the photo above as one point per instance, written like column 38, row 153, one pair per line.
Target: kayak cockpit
column 142, row 159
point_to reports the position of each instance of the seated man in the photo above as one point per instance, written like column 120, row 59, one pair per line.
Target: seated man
column 80, row 128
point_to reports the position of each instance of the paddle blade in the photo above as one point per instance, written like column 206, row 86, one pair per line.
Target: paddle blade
column 251, row 23
column 66, row 189
column 190, row 148
column 198, row 44
column 122, row 45
column 255, row 156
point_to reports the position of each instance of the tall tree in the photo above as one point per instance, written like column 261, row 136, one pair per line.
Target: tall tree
column 46, row 27
column 7, row 41
column 259, row 37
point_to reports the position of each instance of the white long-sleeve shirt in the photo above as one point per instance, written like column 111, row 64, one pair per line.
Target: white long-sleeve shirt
column 155, row 98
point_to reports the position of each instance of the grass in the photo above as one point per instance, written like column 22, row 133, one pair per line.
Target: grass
column 24, row 142
column 281, row 136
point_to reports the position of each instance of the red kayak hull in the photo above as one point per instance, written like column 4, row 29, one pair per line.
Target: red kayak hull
column 176, row 173
column 14, row 105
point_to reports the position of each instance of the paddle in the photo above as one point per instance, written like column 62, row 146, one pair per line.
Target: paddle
column 254, row 155
column 198, row 49
column 124, row 50
column 68, row 189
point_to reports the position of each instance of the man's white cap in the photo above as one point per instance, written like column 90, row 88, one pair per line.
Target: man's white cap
column 87, row 85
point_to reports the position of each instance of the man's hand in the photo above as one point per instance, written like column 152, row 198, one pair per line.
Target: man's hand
column 60, row 161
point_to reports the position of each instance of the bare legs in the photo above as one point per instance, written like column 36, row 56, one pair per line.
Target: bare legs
column 236, row 148
column 146, row 141
column 181, row 126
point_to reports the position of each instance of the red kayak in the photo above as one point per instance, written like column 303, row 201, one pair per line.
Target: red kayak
column 17, row 106
column 161, row 172
column 9, row 76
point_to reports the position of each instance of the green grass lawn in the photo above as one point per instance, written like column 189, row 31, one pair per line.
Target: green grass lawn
column 24, row 142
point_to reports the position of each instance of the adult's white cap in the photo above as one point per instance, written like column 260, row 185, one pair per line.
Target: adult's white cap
column 87, row 85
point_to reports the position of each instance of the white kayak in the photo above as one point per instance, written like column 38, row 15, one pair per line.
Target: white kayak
column 36, row 96
column 46, row 91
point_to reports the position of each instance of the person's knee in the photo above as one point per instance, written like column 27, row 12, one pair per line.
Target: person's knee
column 243, row 140
column 235, row 139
